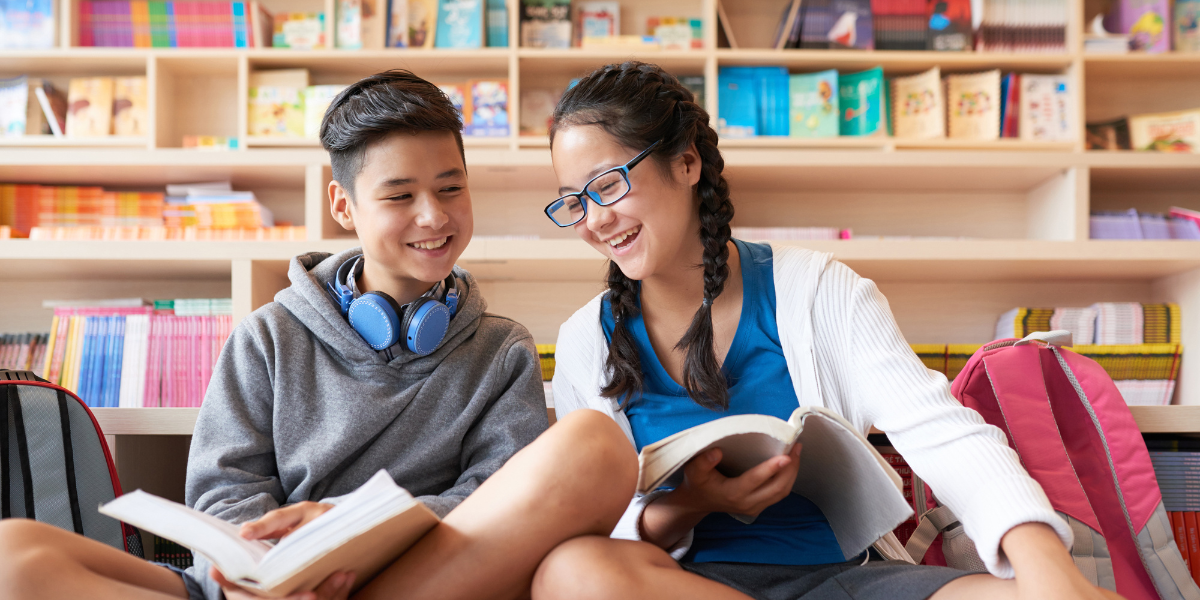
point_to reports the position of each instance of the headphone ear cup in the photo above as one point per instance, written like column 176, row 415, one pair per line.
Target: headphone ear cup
column 424, row 325
column 376, row 317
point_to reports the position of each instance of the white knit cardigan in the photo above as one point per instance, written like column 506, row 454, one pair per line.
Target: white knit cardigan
column 845, row 352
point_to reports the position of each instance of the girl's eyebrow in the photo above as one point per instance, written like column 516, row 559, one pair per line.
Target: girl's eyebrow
column 589, row 176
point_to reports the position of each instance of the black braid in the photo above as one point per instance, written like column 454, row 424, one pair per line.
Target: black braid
column 639, row 104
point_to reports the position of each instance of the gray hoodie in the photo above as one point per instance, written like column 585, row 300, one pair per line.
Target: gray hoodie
column 301, row 408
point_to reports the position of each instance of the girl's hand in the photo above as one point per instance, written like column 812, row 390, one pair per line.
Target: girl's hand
column 282, row 522
column 706, row 490
column 335, row 587
column 1044, row 567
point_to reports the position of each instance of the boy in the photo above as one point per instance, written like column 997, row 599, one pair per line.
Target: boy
column 301, row 408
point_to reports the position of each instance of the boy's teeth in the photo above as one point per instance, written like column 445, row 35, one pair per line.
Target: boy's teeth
column 431, row 245
column 622, row 237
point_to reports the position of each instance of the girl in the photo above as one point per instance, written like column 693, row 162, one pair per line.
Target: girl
column 695, row 326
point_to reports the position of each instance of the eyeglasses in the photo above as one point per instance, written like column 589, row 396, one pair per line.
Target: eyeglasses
column 604, row 189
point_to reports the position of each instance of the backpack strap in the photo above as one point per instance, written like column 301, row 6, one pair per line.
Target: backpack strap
column 933, row 522
column 5, row 508
column 14, row 401
column 69, row 460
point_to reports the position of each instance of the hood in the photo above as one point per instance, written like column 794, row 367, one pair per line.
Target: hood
column 309, row 302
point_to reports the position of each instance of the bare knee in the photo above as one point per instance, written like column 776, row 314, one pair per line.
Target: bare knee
column 29, row 555
column 594, row 568
column 591, row 448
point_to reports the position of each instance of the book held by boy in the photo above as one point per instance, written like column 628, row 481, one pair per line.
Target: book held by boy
column 364, row 533
column 857, row 490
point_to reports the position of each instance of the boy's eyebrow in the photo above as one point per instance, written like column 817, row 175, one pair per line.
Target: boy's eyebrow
column 455, row 172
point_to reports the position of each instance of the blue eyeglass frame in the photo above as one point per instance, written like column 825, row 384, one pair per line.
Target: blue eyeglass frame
column 623, row 170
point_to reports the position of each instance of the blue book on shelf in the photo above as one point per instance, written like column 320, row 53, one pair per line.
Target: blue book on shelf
column 239, row 24
column 497, row 24
column 459, row 24
column 171, row 33
column 100, row 356
column 771, row 93
column 116, row 349
column 85, row 360
column 737, row 107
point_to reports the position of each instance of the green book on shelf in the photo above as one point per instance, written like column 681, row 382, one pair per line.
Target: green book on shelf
column 814, row 105
column 860, row 100
column 160, row 36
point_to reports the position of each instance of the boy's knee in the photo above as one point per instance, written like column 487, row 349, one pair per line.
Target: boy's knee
column 582, row 568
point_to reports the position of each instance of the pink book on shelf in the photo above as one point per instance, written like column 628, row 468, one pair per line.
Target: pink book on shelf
column 86, row 35
column 183, row 24
column 150, row 391
column 226, row 27
column 205, row 362
column 171, row 361
column 193, row 363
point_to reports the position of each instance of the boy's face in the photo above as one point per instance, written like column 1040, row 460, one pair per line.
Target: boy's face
column 411, row 209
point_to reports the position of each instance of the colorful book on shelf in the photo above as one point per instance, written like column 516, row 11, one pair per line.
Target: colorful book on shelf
column 489, row 108
column 537, row 107
column 787, row 33
column 397, row 24
column 837, row 24
column 949, row 25
column 973, row 105
column 497, row 23
column 316, row 100
column 53, row 103
column 14, row 106
column 130, row 115
column 814, row 104
column 1146, row 21
column 899, row 24
column 918, row 107
column 861, row 103
column 276, row 111
column 597, row 19
column 349, row 33
column 27, row 24
column 459, row 94
column 24, row 351
column 90, row 104
column 1103, row 323
column 546, row 23
column 422, row 21
column 163, row 24
column 1010, row 106
column 459, row 24
column 1046, row 108
column 767, row 88
column 1166, row 132
column 1185, row 36
column 676, row 33
column 299, row 31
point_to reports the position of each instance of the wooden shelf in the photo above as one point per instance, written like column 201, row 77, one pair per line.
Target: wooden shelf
column 49, row 141
column 1142, row 66
column 182, row 421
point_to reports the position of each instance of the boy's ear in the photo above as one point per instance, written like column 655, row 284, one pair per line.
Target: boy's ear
column 340, row 205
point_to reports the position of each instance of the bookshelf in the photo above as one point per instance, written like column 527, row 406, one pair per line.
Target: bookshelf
column 1024, row 206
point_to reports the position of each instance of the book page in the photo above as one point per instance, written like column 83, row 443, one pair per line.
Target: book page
column 746, row 440
column 840, row 472
column 216, row 539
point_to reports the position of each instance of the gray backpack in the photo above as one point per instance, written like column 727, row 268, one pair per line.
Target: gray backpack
column 55, row 466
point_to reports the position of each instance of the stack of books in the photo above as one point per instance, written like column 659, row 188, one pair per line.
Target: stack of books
column 1139, row 345
column 1178, row 475
column 93, row 107
column 1179, row 224
column 26, row 24
column 23, row 351
column 130, row 354
column 278, row 233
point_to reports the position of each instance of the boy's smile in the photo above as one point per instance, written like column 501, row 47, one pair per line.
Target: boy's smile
column 411, row 210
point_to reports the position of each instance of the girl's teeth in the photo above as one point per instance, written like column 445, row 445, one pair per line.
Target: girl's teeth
column 622, row 237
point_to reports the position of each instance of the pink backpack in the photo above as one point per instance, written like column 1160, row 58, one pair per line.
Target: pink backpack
column 1075, row 435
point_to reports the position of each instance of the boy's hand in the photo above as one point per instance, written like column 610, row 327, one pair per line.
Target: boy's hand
column 335, row 587
column 281, row 522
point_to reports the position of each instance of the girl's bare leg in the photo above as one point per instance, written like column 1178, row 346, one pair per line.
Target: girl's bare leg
column 43, row 561
column 574, row 480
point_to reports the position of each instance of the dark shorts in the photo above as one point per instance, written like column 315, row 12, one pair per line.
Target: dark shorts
column 875, row 580
column 194, row 589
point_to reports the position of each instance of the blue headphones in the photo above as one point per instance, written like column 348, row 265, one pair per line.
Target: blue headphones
column 382, row 322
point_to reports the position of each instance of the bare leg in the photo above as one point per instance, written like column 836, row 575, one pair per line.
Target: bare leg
column 599, row 568
column 988, row 587
column 43, row 561
column 576, row 479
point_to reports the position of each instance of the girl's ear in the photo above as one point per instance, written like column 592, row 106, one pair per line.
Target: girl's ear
column 691, row 165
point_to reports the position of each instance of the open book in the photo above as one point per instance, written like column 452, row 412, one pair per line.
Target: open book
column 364, row 533
column 860, row 494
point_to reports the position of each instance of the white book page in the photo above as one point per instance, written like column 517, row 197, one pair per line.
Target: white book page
column 745, row 441
column 214, row 538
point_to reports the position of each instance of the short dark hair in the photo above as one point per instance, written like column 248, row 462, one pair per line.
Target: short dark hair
column 377, row 106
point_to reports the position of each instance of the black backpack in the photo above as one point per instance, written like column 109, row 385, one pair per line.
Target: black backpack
column 55, row 466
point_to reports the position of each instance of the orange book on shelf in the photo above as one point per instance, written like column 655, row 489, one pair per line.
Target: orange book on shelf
column 1181, row 539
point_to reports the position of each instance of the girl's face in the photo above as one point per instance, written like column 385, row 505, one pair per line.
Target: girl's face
column 656, row 225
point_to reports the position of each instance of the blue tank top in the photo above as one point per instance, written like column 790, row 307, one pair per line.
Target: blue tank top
column 791, row 532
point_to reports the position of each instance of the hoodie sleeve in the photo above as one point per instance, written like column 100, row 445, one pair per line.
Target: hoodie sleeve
column 514, row 418
column 231, row 466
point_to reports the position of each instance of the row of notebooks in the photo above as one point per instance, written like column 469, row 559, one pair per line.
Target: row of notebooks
column 171, row 553
column 165, row 24
column 278, row 233
column 23, row 351
column 91, row 107
column 138, row 356
column 1178, row 224
column 1103, row 323
column 938, row 25
column 769, row 101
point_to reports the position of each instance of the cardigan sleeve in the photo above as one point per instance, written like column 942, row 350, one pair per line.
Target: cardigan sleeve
column 870, row 374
